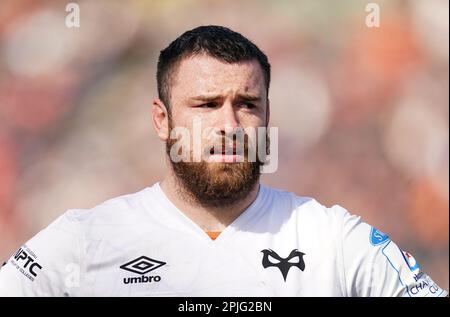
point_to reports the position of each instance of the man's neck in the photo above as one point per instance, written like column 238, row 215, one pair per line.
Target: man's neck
column 209, row 219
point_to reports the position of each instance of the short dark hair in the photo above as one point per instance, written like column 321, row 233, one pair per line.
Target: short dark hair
column 216, row 41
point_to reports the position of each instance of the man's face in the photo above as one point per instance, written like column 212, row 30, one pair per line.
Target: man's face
column 224, row 98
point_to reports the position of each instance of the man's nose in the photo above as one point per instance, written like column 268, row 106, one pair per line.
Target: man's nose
column 228, row 118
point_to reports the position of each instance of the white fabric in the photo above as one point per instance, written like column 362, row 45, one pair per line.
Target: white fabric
column 81, row 253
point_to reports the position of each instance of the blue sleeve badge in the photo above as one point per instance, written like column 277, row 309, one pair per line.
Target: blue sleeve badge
column 377, row 237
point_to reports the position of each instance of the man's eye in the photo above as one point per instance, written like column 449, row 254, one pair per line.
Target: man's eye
column 207, row 105
column 248, row 105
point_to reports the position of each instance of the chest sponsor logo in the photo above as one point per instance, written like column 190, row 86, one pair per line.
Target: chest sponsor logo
column 295, row 259
column 142, row 265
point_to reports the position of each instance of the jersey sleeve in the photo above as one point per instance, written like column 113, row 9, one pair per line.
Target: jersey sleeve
column 49, row 264
column 375, row 266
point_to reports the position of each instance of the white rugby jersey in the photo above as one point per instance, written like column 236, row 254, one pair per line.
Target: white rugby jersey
column 282, row 245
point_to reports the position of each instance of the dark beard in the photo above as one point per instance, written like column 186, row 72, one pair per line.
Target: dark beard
column 215, row 185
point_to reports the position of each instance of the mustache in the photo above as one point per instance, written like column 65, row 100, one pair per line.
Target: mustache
column 227, row 145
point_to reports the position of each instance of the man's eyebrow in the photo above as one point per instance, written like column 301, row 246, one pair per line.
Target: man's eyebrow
column 246, row 97
column 249, row 97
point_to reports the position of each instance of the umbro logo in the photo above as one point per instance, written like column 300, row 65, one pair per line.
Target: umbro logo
column 142, row 265
column 295, row 258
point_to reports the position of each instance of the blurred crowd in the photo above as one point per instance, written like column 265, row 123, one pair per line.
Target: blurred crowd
column 362, row 112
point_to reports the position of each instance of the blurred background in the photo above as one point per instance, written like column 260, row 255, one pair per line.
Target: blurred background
column 362, row 112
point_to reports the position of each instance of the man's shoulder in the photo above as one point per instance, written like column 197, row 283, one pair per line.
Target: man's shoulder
column 114, row 210
column 305, row 205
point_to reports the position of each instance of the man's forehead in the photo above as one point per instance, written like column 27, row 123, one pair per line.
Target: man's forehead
column 206, row 75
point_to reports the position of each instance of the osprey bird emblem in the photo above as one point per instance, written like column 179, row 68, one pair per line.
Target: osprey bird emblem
column 294, row 259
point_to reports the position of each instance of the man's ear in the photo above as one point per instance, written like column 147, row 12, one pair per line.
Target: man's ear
column 160, row 119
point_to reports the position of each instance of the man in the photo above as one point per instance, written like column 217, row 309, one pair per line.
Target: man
column 209, row 228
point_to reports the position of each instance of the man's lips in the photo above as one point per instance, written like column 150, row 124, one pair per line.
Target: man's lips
column 226, row 154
